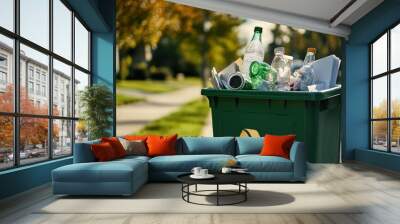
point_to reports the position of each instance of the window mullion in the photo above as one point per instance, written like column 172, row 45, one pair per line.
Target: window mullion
column 50, row 81
column 16, row 85
column 73, row 82
column 389, row 104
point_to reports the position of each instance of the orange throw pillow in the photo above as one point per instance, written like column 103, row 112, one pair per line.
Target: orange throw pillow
column 161, row 145
column 116, row 145
column 103, row 152
column 135, row 137
column 275, row 145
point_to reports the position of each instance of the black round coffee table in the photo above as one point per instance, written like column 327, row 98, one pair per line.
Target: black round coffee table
column 238, row 179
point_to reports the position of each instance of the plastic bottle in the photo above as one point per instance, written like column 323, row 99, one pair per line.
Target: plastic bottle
column 310, row 56
column 283, row 70
column 254, row 52
column 305, row 76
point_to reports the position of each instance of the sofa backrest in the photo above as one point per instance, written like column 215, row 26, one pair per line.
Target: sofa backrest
column 249, row 145
column 206, row 145
column 83, row 152
column 190, row 146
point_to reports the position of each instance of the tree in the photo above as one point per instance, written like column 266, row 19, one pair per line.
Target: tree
column 33, row 131
column 141, row 23
column 296, row 42
column 214, row 41
column 187, row 38
column 379, row 128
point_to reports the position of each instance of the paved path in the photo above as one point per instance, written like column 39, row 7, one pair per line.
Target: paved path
column 132, row 117
column 207, row 129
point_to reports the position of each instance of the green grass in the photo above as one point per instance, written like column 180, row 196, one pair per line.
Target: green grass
column 123, row 99
column 152, row 86
column 188, row 120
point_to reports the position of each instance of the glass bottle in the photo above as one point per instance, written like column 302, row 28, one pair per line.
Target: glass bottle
column 262, row 72
column 254, row 52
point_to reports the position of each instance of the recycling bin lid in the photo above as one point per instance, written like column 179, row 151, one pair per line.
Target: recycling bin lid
column 274, row 95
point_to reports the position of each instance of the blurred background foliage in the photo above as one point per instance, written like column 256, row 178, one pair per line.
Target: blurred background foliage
column 158, row 40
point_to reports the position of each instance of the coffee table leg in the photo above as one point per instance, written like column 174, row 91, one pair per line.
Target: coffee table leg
column 245, row 193
column 217, row 194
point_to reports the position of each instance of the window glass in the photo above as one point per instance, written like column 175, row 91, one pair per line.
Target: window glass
column 81, row 131
column 62, row 138
column 6, row 74
column 62, row 89
column 379, row 55
column 33, row 140
column 6, row 142
column 62, row 29
column 7, row 14
column 379, row 97
column 34, row 21
column 395, row 47
column 395, row 136
column 30, row 58
column 379, row 135
column 81, row 45
column 81, row 82
column 395, row 94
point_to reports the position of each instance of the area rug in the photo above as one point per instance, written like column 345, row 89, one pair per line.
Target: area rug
column 166, row 198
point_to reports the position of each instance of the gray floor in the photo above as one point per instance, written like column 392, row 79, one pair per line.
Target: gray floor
column 379, row 189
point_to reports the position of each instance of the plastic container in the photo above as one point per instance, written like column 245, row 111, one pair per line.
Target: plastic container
column 313, row 116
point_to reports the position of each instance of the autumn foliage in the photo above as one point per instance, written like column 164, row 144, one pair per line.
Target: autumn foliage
column 379, row 128
column 33, row 131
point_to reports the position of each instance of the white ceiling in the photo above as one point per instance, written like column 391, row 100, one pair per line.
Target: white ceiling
column 315, row 15
column 320, row 9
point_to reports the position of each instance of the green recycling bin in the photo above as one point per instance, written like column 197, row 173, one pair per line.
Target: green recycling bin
column 314, row 117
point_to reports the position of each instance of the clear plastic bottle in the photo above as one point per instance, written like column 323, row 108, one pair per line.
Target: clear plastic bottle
column 305, row 76
column 254, row 52
column 310, row 56
column 283, row 70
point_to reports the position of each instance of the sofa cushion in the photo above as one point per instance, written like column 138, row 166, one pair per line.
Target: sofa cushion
column 277, row 145
column 249, row 145
column 103, row 152
column 112, row 171
column 257, row 163
column 161, row 145
column 134, row 147
column 185, row 163
column 116, row 145
column 206, row 145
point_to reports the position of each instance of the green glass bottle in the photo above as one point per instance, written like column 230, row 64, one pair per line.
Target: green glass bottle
column 260, row 72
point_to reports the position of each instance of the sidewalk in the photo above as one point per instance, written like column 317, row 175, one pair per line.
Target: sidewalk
column 132, row 117
column 207, row 129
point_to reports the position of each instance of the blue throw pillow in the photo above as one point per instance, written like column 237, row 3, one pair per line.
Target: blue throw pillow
column 207, row 145
column 249, row 145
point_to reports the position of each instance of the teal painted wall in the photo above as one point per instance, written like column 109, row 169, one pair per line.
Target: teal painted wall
column 24, row 178
column 356, row 84
column 99, row 15
column 103, row 54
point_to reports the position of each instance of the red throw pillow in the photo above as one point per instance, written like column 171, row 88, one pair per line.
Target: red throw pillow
column 116, row 145
column 161, row 145
column 135, row 137
column 275, row 145
column 103, row 152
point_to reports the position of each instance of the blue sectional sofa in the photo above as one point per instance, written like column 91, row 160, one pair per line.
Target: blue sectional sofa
column 125, row 176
